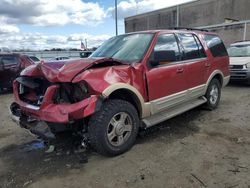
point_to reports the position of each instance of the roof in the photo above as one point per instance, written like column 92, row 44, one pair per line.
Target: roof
column 12, row 54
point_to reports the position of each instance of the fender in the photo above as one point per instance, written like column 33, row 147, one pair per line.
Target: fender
column 224, row 80
column 145, row 107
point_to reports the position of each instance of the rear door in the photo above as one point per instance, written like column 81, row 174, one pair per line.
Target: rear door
column 166, row 77
column 196, row 63
column 9, row 69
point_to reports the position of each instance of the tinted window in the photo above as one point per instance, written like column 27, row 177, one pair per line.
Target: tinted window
column 9, row 60
column 200, row 47
column 215, row 45
column 166, row 49
column 190, row 45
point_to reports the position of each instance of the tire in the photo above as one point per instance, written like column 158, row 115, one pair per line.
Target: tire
column 114, row 128
column 213, row 94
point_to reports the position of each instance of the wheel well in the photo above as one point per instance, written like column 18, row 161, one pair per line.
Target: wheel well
column 129, row 96
column 219, row 78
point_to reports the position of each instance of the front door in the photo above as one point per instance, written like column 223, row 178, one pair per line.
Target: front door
column 167, row 75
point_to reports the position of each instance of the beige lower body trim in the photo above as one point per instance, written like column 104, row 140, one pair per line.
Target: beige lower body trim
column 164, row 103
column 226, row 80
column 168, row 102
column 174, row 111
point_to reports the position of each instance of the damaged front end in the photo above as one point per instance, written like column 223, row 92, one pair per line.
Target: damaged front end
column 46, row 108
column 56, row 96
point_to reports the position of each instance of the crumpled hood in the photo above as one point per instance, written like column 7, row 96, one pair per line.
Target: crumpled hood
column 64, row 71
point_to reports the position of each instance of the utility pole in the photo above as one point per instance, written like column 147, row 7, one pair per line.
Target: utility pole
column 86, row 44
column 177, row 15
column 116, row 28
column 136, row 6
column 245, row 31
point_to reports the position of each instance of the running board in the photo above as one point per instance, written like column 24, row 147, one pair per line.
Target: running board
column 167, row 114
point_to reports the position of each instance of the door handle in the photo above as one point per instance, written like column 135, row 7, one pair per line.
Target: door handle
column 207, row 64
column 180, row 70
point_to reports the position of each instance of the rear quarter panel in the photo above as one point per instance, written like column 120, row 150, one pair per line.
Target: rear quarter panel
column 217, row 63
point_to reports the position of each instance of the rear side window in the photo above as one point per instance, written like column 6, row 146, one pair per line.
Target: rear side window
column 215, row 45
column 192, row 46
column 7, row 60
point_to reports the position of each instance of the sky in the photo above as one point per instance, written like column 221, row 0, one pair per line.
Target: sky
column 46, row 24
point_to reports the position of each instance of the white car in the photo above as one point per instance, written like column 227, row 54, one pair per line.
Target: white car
column 239, row 53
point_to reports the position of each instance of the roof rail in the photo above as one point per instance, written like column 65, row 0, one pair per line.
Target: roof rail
column 190, row 29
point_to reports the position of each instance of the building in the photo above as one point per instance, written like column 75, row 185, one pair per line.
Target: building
column 229, row 18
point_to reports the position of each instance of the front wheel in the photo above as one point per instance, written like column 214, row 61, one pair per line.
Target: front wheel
column 113, row 129
column 213, row 94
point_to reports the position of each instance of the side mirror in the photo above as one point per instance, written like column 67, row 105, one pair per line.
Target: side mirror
column 154, row 63
column 164, row 55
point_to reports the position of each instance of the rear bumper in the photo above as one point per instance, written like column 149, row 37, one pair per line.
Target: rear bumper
column 57, row 113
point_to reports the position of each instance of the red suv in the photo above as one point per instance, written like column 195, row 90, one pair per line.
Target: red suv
column 132, row 81
column 11, row 64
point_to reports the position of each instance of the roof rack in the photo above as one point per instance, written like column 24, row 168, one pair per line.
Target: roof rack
column 190, row 29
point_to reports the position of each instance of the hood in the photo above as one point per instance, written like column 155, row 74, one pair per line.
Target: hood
column 65, row 71
column 239, row 60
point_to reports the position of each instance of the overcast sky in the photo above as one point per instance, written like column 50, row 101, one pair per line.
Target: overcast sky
column 41, row 24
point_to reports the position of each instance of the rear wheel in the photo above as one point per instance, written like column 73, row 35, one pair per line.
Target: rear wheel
column 213, row 94
column 114, row 128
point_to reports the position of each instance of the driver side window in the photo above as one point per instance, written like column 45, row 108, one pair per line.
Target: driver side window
column 165, row 51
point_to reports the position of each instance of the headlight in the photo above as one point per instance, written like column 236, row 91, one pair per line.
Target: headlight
column 80, row 91
column 71, row 92
column 248, row 65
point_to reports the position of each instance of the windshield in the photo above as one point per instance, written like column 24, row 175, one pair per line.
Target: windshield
column 239, row 51
column 34, row 58
column 129, row 48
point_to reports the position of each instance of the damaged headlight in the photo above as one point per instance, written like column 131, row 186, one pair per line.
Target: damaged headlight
column 248, row 65
column 72, row 92
column 80, row 91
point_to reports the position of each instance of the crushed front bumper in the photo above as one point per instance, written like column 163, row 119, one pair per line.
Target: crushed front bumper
column 39, row 128
column 43, row 120
column 57, row 113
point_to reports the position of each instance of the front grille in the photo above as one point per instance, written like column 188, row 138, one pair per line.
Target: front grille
column 238, row 74
column 237, row 67
column 32, row 90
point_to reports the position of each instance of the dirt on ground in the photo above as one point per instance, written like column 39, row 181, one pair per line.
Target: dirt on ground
column 199, row 148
